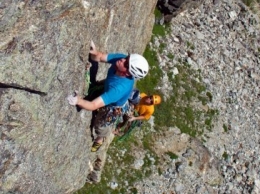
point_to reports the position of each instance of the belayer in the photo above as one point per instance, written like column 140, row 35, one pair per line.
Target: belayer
column 143, row 110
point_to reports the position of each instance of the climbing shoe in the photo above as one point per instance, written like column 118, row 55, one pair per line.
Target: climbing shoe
column 92, row 176
column 97, row 164
column 96, row 146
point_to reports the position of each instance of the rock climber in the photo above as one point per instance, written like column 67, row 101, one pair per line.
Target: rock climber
column 118, row 85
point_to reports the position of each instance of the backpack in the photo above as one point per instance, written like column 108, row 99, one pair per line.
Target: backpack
column 134, row 97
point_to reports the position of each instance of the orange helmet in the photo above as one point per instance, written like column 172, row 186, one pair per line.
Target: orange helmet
column 156, row 99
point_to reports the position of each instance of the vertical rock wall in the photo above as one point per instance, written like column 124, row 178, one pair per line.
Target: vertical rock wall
column 44, row 142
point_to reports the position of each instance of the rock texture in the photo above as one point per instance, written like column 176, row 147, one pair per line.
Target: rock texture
column 44, row 142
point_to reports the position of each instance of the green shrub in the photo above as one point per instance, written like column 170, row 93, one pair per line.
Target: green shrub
column 225, row 155
column 172, row 155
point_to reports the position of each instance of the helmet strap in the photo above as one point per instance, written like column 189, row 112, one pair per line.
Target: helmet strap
column 122, row 73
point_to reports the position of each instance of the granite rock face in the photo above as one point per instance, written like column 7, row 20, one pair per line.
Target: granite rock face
column 44, row 142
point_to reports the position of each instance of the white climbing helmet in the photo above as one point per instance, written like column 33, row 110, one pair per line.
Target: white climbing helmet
column 138, row 66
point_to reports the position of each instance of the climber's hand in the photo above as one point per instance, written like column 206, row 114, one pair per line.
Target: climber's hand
column 131, row 118
column 93, row 51
column 97, row 55
column 73, row 98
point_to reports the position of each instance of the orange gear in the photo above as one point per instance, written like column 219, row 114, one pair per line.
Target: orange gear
column 156, row 99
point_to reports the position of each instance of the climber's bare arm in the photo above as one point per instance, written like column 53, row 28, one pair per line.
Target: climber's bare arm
column 91, row 105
